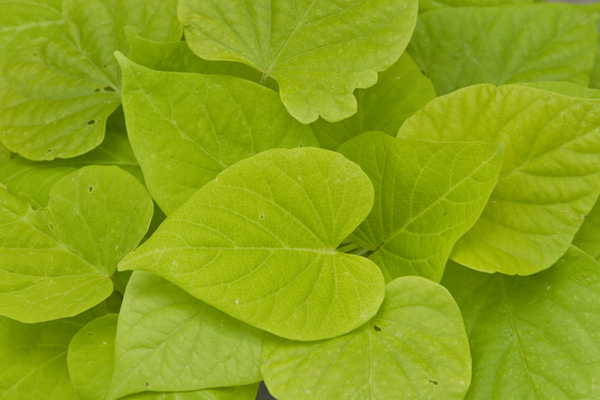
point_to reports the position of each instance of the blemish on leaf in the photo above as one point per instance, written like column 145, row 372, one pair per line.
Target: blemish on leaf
column 376, row 328
column 91, row 189
column 109, row 89
column 147, row 384
column 262, row 215
column 432, row 381
column 51, row 227
column 91, row 122
column 97, row 90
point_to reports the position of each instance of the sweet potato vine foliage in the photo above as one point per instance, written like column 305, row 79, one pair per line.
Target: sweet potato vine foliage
column 345, row 199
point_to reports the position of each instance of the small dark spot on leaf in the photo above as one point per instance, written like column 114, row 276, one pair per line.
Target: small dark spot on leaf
column 300, row 144
column 97, row 90
column 49, row 151
column 34, row 54
column 445, row 213
column 91, row 122
column 90, row 334
column 432, row 381
column 51, row 227
column 147, row 384
column 91, row 189
column 109, row 89
column 262, row 215
column 104, row 66
column 376, row 328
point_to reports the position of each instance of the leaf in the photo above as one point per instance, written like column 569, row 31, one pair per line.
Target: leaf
column 57, row 261
column 168, row 340
column 91, row 356
column 311, row 48
column 259, row 241
column 186, row 128
column 400, row 91
column 414, row 348
column 36, row 178
column 56, row 91
column 459, row 47
column 532, row 337
column 177, row 57
column 427, row 196
column 595, row 76
column 91, row 359
column 24, row 20
column 34, row 359
column 588, row 236
column 549, row 178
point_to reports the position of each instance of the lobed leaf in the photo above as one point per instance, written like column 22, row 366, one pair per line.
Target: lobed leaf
column 259, row 241
column 427, row 195
column 318, row 51
column 400, row 91
column 168, row 340
column 57, row 90
column 57, row 261
column 186, row 128
column 550, row 177
column 414, row 348
column 459, row 47
column 535, row 336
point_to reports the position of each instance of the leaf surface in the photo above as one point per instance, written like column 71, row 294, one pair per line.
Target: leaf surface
column 318, row 51
column 426, row 5
column 400, row 91
column 34, row 359
column 91, row 361
column 534, row 337
column 459, row 47
column 186, row 128
column 550, row 177
column 57, row 261
column 259, row 242
column 414, row 348
column 56, row 91
column 427, row 195
column 170, row 341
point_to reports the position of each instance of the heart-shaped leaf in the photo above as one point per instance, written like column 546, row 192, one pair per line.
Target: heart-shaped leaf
column 534, row 337
column 550, row 177
column 259, row 242
column 318, row 51
column 186, row 128
column 427, row 196
column 414, row 348
column 57, row 261
column 161, row 325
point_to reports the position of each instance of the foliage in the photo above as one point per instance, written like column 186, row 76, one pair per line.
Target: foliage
column 199, row 195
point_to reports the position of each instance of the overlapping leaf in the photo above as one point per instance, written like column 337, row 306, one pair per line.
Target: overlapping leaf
column 58, row 89
column 414, row 348
column 318, row 51
column 427, row 195
column 550, row 177
column 168, row 340
column 459, row 47
column 91, row 358
column 536, row 336
column 57, row 261
column 400, row 91
column 186, row 128
column 259, row 241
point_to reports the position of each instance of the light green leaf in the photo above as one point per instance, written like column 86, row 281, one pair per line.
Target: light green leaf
column 595, row 77
column 91, row 360
column 426, row 5
column 24, row 20
column 170, row 341
column 177, row 57
column 588, row 236
column 57, row 261
column 427, row 195
column 400, row 91
column 318, row 51
column 259, row 241
column 414, row 348
column 91, row 356
column 186, row 128
column 56, row 92
column 36, row 178
column 34, row 359
column 535, row 337
column 459, row 47
column 550, row 177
